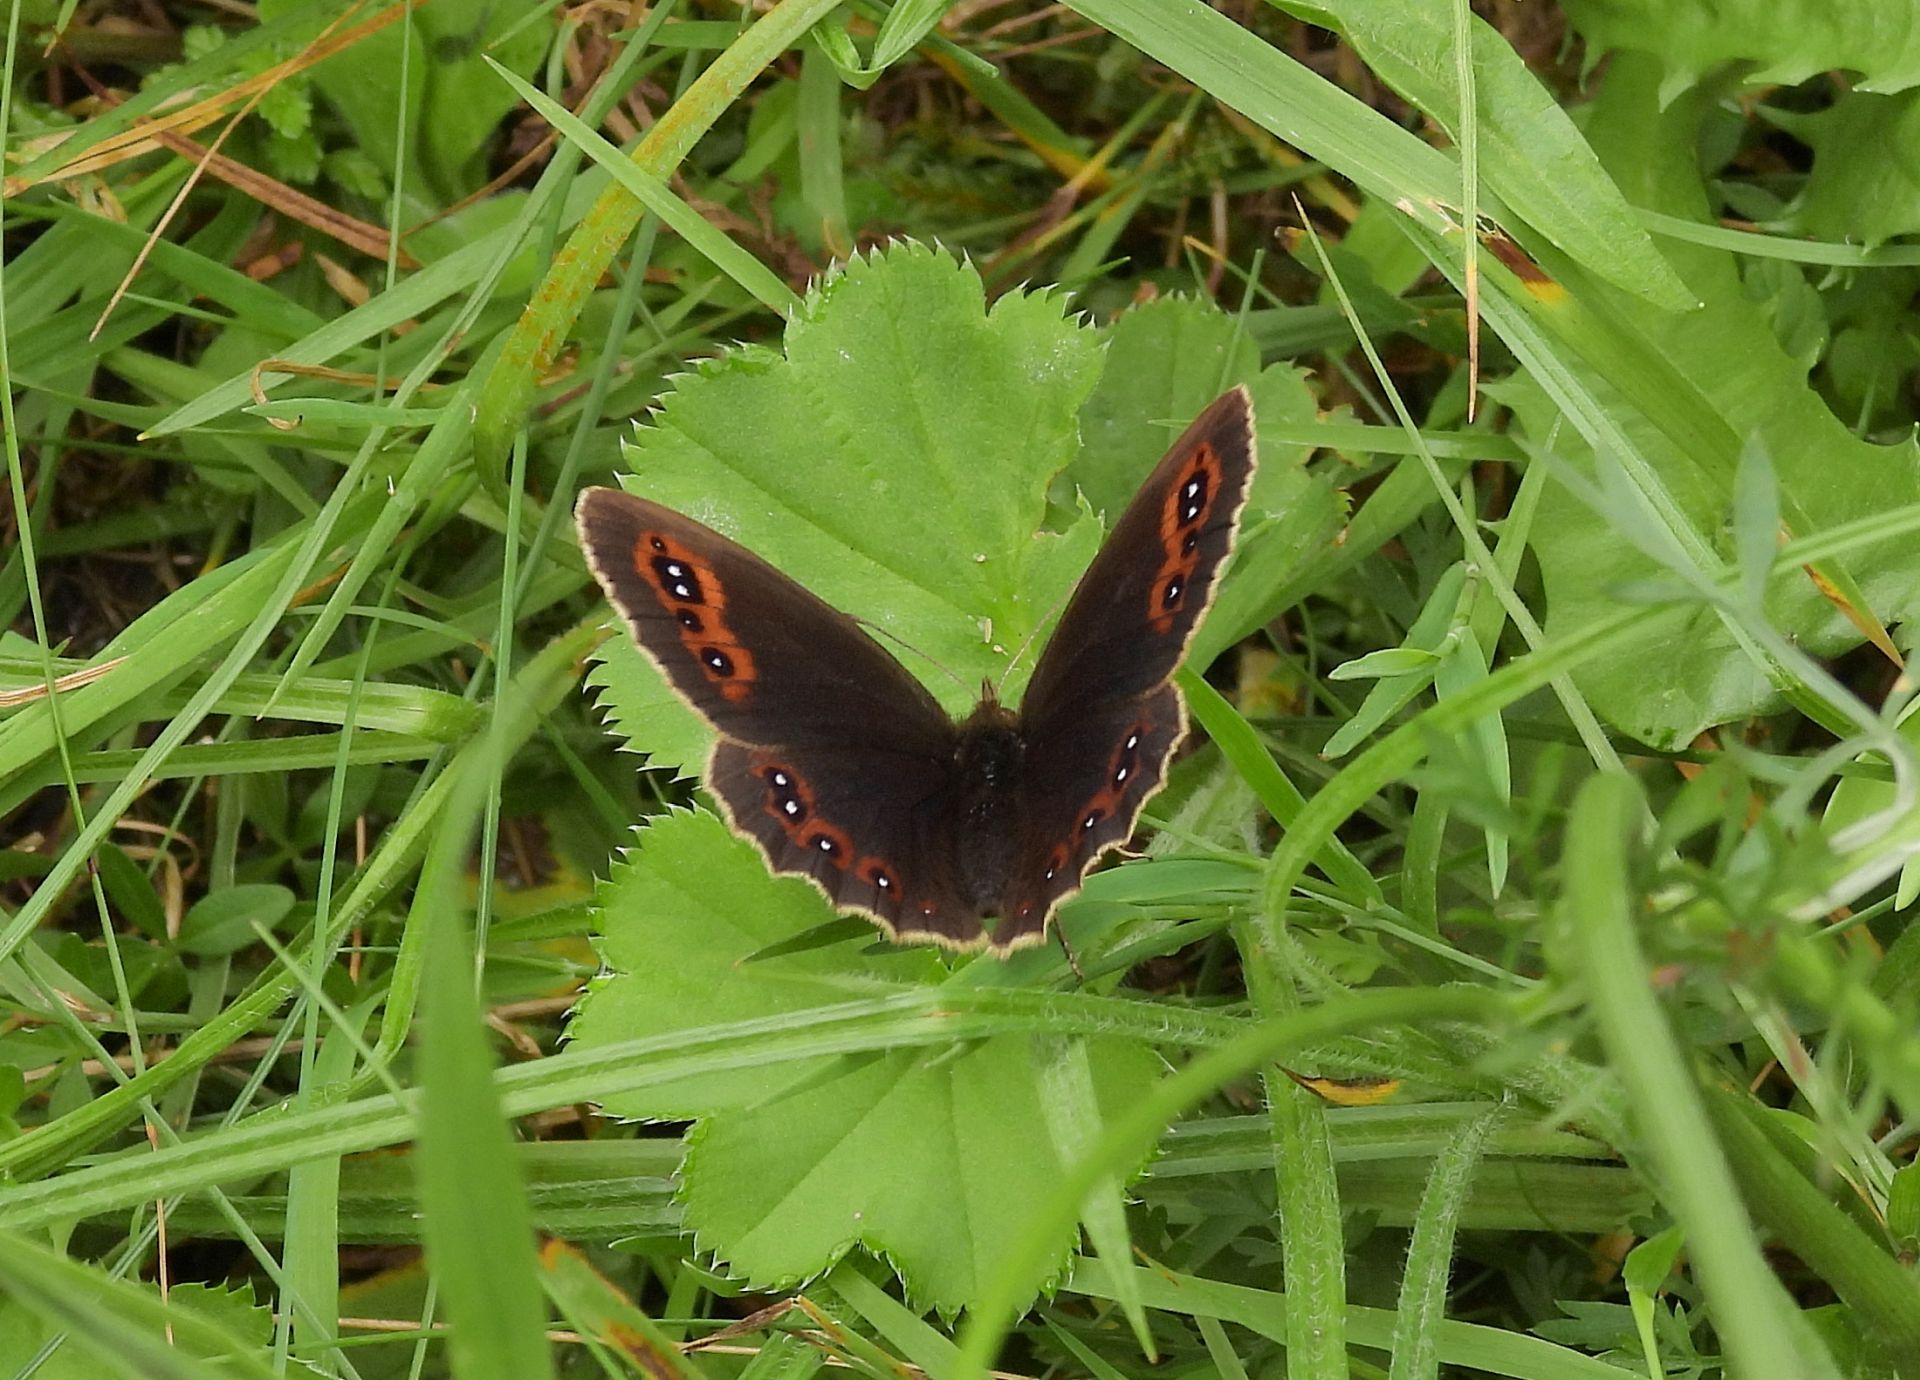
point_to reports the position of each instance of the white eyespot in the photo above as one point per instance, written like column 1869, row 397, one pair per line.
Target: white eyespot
column 1121, row 775
column 780, row 778
column 676, row 571
column 1050, row 872
column 792, row 807
column 1090, row 821
column 884, row 882
column 826, row 845
column 1193, row 488
column 682, row 590
column 1133, row 741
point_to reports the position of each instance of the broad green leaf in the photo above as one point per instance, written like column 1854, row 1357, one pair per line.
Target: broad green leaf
column 130, row 893
column 116, row 1327
column 935, row 1159
column 464, row 103
column 222, row 922
column 1779, row 42
column 1165, row 361
column 1862, row 188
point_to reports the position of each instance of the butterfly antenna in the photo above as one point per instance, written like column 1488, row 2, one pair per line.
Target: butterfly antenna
column 1026, row 646
column 901, row 642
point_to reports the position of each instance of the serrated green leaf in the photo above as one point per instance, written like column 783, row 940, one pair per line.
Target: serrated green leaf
column 935, row 1159
column 116, row 1327
column 1775, row 42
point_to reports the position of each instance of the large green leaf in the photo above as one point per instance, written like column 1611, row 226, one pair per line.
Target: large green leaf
column 935, row 1158
column 1863, row 185
column 895, row 460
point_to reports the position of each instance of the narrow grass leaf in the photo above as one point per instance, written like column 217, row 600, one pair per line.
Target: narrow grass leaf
column 478, row 1232
column 1595, row 934
column 1073, row 1120
column 1424, row 1285
column 596, row 1309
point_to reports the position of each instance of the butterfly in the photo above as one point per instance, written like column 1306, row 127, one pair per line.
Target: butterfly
column 841, row 766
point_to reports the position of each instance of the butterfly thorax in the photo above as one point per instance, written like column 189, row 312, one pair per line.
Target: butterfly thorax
column 989, row 761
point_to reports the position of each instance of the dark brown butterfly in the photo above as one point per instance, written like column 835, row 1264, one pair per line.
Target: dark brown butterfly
column 845, row 770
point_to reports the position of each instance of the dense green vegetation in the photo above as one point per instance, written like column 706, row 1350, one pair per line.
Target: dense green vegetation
column 1517, row 976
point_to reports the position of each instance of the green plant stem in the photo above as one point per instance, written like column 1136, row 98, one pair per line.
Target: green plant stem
column 556, row 304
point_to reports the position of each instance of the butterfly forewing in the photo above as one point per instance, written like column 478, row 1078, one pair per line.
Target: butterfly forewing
column 762, row 658
column 1130, row 618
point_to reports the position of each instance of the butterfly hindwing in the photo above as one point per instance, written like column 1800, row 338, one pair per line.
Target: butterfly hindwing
column 1088, row 779
column 873, row 831
column 1101, row 716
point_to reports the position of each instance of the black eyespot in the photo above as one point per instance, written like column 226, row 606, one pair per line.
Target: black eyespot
column 717, row 661
column 657, row 544
column 691, row 621
column 883, row 881
column 677, row 579
column 1193, row 499
column 1189, row 543
column 826, row 844
column 1172, row 595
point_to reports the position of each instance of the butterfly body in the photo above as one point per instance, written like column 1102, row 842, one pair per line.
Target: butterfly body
column 844, row 769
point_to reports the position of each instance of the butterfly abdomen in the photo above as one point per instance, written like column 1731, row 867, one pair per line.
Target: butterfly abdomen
column 989, row 766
